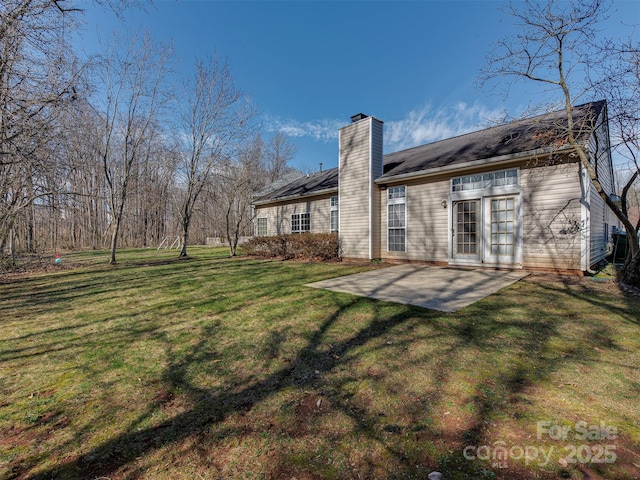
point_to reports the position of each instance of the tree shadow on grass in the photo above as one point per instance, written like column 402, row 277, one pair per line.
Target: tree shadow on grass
column 211, row 407
column 308, row 369
column 304, row 372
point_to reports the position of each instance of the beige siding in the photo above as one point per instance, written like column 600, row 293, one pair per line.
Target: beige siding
column 279, row 215
column 427, row 222
column 600, row 149
column 600, row 214
column 355, row 191
column 598, row 241
column 552, row 217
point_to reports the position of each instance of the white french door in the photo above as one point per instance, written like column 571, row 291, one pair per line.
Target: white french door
column 466, row 217
column 486, row 231
column 500, row 230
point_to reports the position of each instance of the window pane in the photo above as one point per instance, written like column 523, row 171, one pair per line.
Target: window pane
column 305, row 222
column 261, row 229
column 334, row 220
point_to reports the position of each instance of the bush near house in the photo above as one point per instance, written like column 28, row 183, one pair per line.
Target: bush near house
column 316, row 246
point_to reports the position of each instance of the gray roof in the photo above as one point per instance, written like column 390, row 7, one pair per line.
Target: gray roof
column 309, row 184
column 543, row 131
column 282, row 181
column 528, row 135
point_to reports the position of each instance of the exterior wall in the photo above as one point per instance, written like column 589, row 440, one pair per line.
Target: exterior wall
column 601, row 218
column 552, row 217
column 279, row 215
column 600, row 148
column 599, row 229
column 360, row 162
column 427, row 222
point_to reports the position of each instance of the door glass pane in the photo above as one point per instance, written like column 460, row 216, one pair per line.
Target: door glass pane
column 466, row 240
column 502, row 226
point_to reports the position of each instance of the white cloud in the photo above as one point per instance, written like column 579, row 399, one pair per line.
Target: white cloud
column 426, row 125
column 324, row 130
column 420, row 126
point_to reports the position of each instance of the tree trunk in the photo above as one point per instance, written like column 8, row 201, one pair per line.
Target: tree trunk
column 630, row 274
column 185, row 238
column 232, row 250
column 114, row 242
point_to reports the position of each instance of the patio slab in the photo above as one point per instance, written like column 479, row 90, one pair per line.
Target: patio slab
column 446, row 289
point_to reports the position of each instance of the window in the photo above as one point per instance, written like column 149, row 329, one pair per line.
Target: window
column 396, row 219
column 261, row 227
column 485, row 180
column 300, row 222
column 333, row 219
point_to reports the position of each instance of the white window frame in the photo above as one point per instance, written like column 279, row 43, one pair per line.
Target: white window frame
column 300, row 222
column 259, row 226
column 334, row 224
column 486, row 180
column 397, row 196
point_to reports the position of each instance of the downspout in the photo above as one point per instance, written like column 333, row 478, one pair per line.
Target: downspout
column 585, row 207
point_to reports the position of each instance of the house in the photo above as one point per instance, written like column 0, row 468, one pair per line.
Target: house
column 510, row 196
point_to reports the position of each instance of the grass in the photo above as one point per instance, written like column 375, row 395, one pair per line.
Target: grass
column 214, row 367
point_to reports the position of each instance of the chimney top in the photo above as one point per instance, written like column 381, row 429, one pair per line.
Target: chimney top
column 357, row 117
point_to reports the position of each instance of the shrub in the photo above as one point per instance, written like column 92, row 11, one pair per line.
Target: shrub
column 304, row 246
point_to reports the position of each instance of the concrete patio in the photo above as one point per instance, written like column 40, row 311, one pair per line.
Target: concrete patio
column 446, row 289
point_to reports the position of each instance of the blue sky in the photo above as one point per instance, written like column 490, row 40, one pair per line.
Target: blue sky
column 310, row 65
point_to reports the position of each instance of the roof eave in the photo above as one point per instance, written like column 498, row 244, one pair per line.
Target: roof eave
column 296, row 197
column 473, row 164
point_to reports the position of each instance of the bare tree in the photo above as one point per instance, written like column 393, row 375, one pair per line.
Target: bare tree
column 278, row 152
column 554, row 46
column 238, row 179
column 37, row 77
column 134, row 94
column 216, row 118
column 618, row 78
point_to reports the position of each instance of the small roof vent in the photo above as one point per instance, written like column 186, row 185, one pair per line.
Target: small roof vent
column 358, row 117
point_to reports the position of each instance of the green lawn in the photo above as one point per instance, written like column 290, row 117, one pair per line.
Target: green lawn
column 216, row 367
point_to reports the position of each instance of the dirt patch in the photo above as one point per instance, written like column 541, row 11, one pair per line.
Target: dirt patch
column 311, row 405
column 22, row 272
